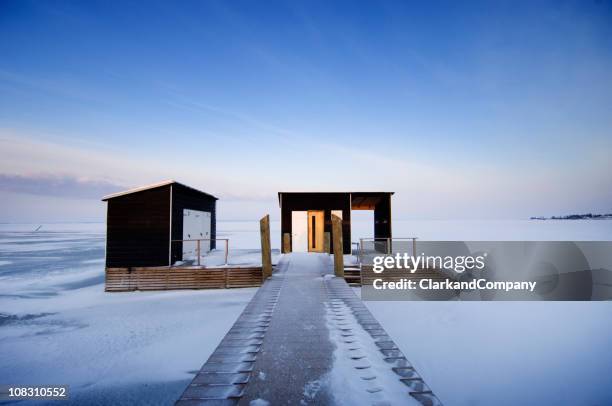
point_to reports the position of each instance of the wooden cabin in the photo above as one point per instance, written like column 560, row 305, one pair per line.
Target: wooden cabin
column 306, row 218
column 146, row 226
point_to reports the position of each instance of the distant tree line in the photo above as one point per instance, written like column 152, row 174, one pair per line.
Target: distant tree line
column 586, row 216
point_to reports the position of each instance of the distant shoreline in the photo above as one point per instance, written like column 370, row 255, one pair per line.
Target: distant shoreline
column 588, row 216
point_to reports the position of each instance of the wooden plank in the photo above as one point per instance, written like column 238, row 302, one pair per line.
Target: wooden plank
column 155, row 278
column 337, row 242
column 266, row 251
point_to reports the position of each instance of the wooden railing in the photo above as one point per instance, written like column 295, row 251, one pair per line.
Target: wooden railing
column 199, row 246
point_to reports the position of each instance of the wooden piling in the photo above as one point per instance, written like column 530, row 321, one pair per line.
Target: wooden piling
column 286, row 243
column 337, row 243
column 327, row 242
column 266, row 252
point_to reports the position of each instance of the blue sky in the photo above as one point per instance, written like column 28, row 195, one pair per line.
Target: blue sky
column 464, row 109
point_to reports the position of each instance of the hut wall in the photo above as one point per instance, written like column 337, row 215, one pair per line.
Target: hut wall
column 382, row 218
column 138, row 229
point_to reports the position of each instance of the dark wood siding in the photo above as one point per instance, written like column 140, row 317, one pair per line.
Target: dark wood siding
column 318, row 201
column 382, row 218
column 138, row 229
column 187, row 198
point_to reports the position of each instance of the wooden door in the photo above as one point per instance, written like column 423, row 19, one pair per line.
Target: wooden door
column 315, row 231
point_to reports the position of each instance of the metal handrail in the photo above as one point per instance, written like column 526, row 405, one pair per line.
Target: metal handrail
column 198, row 249
column 391, row 238
column 389, row 241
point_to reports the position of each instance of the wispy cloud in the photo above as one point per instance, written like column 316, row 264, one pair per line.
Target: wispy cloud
column 57, row 186
column 56, row 86
column 26, row 155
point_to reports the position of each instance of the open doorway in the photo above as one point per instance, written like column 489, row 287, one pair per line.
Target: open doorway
column 362, row 224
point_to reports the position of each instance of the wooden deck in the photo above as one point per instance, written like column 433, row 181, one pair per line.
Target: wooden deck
column 190, row 277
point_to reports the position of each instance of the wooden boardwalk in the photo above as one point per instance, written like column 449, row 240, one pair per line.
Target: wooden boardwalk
column 301, row 332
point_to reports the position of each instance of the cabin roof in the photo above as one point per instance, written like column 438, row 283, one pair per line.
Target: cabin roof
column 153, row 186
column 354, row 194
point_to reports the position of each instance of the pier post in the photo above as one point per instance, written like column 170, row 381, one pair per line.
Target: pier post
column 338, row 248
column 286, row 243
column 198, row 251
column 266, row 252
column 226, row 250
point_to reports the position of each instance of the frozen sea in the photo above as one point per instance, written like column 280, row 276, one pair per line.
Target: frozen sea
column 57, row 326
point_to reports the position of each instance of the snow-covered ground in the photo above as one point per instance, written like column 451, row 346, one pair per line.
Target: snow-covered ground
column 506, row 353
column 58, row 325
column 238, row 257
column 358, row 364
column 114, row 348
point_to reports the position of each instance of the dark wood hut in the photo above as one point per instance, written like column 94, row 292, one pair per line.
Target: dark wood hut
column 146, row 226
column 306, row 217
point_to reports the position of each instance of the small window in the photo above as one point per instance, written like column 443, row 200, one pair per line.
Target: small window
column 314, row 233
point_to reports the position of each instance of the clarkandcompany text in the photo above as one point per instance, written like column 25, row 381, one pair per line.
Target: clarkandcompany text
column 431, row 284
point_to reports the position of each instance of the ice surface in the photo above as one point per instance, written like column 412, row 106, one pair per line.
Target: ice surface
column 506, row 353
column 259, row 402
column 236, row 257
column 493, row 230
column 58, row 326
